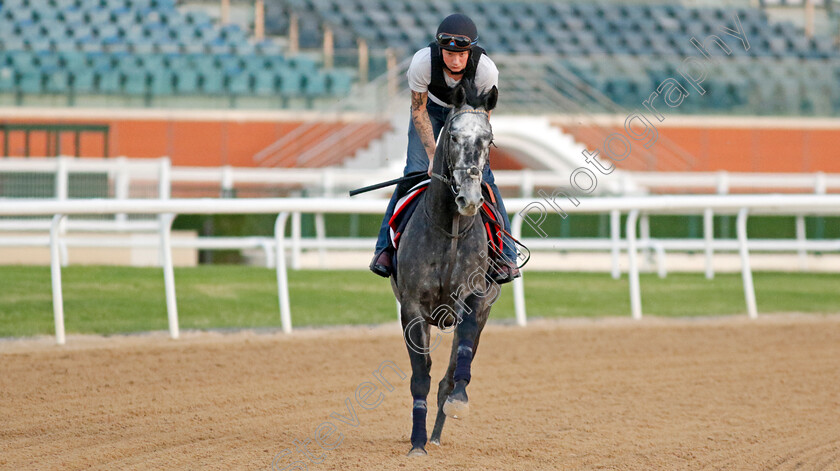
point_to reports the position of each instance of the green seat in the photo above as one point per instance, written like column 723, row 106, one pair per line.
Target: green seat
column 253, row 63
column 30, row 82
column 315, row 84
column 99, row 62
column 73, row 60
column 203, row 63
column 135, row 83
column 213, row 83
column 83, row 81
column 239, row 84
column 290, row 82
column 302, row 64
column 186, row 81
column 58, row 82
column 162, row 82
column 265, row 83
column 152, row 61
column 339, row 83
column 109, row 81
column 7, row 80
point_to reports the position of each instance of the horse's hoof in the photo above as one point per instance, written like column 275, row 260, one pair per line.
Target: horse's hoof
column 417, row 451
column 435, row 441
column 455, row 408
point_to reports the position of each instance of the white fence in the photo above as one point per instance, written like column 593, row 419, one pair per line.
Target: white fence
column 524, row 208
column 154, row 178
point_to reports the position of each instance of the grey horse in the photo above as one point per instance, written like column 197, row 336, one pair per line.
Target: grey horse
column 442, row 262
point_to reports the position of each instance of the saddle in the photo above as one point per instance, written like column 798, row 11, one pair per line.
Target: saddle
column 410, row 194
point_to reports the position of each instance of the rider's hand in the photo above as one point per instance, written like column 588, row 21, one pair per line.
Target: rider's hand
column 430, row 169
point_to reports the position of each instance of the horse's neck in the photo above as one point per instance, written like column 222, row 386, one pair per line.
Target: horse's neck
column 440, row 204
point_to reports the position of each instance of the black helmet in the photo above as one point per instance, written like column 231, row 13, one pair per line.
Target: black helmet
column 456, row 32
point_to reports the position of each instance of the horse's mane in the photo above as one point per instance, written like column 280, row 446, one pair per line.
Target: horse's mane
column 473, row 97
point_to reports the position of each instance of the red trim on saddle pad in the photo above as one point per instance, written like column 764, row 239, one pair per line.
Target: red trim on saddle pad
column 404, row 207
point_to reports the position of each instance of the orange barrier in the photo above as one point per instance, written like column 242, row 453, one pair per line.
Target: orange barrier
column 747, row 149
column 186, row 142
column 762, row 145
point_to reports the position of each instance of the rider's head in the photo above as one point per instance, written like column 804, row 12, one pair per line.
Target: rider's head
column 456, row 36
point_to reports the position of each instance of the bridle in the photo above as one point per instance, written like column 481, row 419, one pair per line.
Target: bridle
column 472, row 170
column 449, row 179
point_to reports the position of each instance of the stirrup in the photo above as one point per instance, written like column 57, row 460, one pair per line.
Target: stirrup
column 381, row 263
column 505, row 274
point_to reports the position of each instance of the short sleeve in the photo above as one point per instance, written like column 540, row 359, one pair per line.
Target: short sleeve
column 419, row 73
column 486, row 74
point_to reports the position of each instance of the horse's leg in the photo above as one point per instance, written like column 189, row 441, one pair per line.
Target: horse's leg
column 416, row 333
column 444, row 388
column 467, row 332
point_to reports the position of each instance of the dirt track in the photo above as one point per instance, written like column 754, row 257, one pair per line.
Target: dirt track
column 719, row 394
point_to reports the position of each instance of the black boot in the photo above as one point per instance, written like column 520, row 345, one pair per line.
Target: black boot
column 381, row 263
column 502, row 272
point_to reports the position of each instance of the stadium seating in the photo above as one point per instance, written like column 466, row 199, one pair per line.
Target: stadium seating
column 151, row 50
column 143, row 48
column 626, row 48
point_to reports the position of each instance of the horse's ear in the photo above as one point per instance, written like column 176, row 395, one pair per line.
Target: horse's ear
column 459, row 96
column 491, row 99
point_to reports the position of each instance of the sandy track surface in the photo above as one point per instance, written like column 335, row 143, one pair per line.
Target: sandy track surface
column 657, row 394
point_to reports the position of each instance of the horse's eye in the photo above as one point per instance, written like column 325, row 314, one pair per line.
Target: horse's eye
column 454, row 139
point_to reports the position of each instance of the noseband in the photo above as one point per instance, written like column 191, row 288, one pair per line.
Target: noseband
column 472, row 170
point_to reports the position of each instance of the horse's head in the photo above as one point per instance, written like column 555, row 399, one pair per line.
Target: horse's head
column 468, row 144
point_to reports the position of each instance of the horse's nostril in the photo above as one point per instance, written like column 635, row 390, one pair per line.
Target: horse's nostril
column 480, row 201
column 461, row 201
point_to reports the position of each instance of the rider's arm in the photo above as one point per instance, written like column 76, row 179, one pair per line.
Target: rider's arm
column 423, row 124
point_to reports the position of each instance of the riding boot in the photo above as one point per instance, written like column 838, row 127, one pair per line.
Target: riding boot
column 506, row 274
column 502, row 271
column 381, row 263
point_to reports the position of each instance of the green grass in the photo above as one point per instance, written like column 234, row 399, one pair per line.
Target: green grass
column 108, row 300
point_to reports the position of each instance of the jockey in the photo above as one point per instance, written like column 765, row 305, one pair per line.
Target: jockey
column 434, row 72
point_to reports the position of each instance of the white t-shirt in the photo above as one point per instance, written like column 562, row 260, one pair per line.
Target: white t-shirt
column 419, row 74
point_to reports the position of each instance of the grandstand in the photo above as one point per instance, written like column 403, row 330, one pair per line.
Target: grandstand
column 620, row 50
column 151, row 53
column 147, row 53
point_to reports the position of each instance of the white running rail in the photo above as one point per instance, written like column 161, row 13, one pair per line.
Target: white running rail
column 525, row 210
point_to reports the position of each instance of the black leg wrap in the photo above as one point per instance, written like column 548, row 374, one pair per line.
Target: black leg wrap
column 463, row 361
column 418, row 430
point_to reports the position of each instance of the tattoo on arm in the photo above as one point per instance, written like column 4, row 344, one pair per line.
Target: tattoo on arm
column 422, row 123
